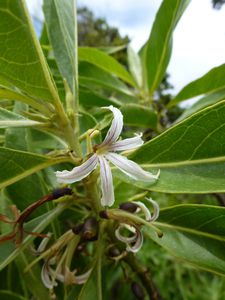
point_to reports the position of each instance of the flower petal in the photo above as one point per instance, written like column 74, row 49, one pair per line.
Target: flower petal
column 78, row 173
column 127, row 144
column 126, row 239
column 81, row 279
column 131, row 168
column 115, row 128
column 133, row 243
column 138, row 243
column 155, row 211
column 106, row 182
column 145, row 210
column 46, row 276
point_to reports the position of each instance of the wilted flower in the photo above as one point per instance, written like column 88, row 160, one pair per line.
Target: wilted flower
column 105, row 153
column 135, row 240
column 49, row 275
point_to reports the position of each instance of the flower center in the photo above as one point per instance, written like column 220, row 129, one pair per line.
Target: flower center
column 101, row 150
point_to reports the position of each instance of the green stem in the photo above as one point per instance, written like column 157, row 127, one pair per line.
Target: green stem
column 71, row 138
column 100, row 250
column 93, row 192
column 71, row 248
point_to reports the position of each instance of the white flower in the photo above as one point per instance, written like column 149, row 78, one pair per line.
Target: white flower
column 104, row 153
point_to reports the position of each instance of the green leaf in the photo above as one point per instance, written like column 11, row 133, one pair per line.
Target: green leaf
column 135, row 66
column 60, row 17
column 90, row 75
column 112, row 49
column 158, row 47
column 90, row 99
column 105, row 62
column 11, row 119
column 200, row 242
column 140, row 116
column 190, row 155
column 89, row 289
column 45, row 140
column 16, row 165
column 92, row 289
column 8, row 250
column 211, row 82
column 25, row 191
column 10, row 295
column 10, row 94
column 22, row 63
column 31, row 278
column 203, row 102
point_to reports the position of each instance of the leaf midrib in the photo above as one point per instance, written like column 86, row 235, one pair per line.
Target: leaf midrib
column 184, row 162
column 190, row 230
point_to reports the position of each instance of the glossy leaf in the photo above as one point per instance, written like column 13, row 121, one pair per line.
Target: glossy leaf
column 158, row 48
column 60, row 17
column 211, row 82
column 202, row 103
column 140, row 116
column 105, row 62
column 200, row 242
column 190, row 155
column 20, row 164
column 22, row 63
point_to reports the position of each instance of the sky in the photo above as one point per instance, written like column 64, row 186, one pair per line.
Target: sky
column 198, row 42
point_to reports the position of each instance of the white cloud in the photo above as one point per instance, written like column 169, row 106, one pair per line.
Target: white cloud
column 35, row 8
column 199, row 43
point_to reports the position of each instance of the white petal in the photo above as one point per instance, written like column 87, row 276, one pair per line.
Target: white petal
column 138, row 243
column 156, row 209
column 43, row 243
column 144, row 209
column 134, row 242
column 106, row 182
column 115, row 128
column 46, row 276
column 131, row 168
column 78, row 173
column 127, row 144
column 81, row 279
column 123, row 238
